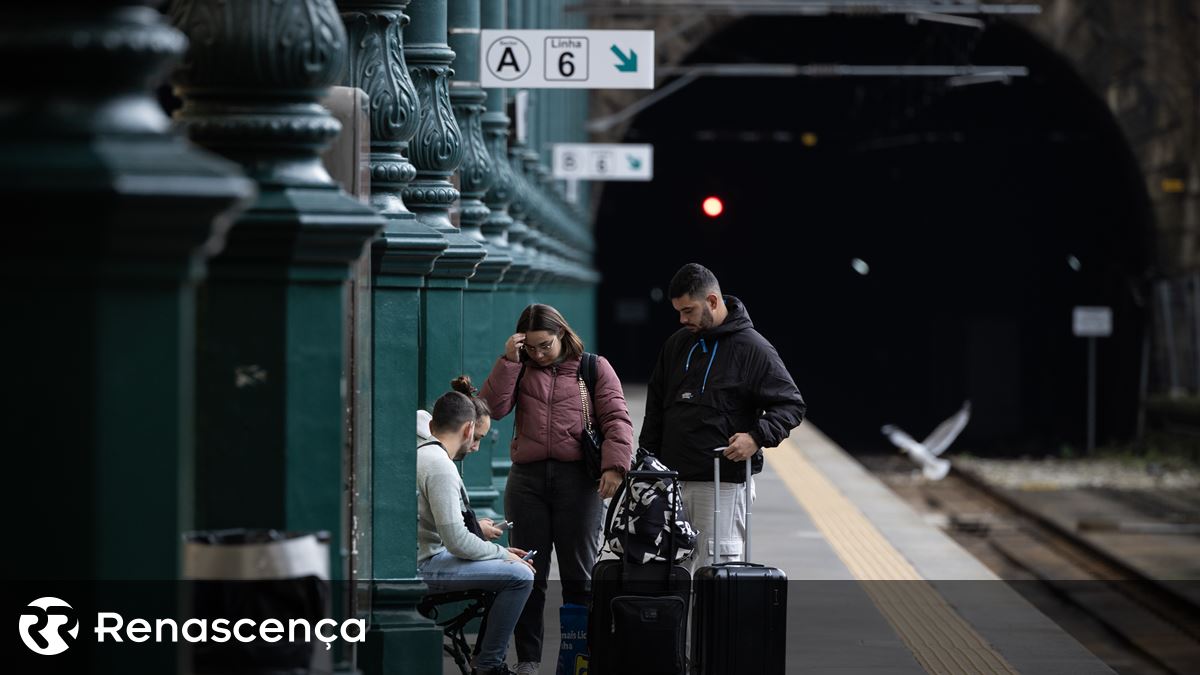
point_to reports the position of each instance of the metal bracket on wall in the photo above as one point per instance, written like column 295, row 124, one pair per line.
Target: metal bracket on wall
column 798, row 7
column 958, row 76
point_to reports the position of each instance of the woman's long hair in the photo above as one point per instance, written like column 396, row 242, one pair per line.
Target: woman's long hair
column 545, row 317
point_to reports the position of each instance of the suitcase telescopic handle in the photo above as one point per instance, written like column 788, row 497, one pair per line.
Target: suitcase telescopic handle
column 717, row 454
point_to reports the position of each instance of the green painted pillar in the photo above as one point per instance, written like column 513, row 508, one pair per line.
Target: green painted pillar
column 574, row 257
column 535, row 240
column 400, row 639
column 110, row 218
column 520, row 236
column 538, row 238
column 481, row 340
column 273, row 448
column 437, row 151
column 496, row 228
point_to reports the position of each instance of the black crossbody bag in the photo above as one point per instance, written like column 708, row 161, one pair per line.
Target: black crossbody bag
column 593, row 438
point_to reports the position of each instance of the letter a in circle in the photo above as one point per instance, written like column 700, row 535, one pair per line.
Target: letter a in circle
column 508, row 58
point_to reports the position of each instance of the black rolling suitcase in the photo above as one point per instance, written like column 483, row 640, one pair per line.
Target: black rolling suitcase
column 637, row 620
column 739, row 621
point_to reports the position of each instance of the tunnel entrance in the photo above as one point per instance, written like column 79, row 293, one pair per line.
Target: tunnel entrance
column 905, row 243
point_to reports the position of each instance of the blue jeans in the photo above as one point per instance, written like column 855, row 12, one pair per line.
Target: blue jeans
column 512, row 582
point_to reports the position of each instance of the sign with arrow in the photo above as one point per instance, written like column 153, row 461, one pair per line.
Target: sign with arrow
column 567, row 59
column 604, row 161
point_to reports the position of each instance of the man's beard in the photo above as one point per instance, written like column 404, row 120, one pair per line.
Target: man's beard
column 463, row 451
column 706, row 318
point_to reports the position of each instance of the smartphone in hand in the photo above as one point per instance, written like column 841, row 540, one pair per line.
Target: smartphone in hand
column 504, row 525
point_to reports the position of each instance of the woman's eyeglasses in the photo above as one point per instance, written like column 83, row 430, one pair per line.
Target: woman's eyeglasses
column 543, row 348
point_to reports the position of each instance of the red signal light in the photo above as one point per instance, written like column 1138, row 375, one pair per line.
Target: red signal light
column 712, row 207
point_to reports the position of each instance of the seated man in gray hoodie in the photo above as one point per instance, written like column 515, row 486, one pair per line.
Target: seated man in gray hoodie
column 450, row 557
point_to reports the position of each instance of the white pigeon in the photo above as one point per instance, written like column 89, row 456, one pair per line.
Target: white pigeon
column 926, row 453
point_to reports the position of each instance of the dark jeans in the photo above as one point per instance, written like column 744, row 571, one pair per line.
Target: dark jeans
column 552, row 504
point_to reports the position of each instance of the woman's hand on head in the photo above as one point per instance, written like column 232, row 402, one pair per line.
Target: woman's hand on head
column 512, row 348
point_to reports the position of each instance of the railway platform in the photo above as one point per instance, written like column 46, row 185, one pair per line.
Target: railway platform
column 873, row 588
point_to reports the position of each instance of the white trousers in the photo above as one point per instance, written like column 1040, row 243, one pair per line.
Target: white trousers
column 698, row 499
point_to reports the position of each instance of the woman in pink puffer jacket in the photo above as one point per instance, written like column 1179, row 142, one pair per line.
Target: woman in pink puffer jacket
column 549, row 497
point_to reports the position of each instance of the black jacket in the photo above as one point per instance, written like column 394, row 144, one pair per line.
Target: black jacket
column 709, row 386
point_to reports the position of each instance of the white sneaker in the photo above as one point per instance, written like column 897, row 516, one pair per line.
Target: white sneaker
column 528, row 668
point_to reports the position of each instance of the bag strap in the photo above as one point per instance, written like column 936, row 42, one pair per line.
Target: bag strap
column 584, row 392
column 462, row 488
column 587, row 370
column 587, row 376
column 587, row 385
column 618, row 503
column 516, row 398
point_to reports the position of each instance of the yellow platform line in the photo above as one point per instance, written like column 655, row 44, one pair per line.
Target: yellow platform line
column 940, row 640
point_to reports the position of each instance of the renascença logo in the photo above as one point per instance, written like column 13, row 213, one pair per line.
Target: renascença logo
column 47, row 624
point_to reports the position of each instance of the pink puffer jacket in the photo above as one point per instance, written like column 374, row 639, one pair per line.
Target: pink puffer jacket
column 550, row 412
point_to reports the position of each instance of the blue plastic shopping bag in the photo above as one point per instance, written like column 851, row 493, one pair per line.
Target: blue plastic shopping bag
column 573, row 654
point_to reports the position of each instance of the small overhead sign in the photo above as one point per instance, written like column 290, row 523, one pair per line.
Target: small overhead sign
column 604, row 161
column 567, row 59
column 1092, row 321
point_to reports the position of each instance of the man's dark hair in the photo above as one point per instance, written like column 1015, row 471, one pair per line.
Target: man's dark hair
column 694, row 280
column 462, row 384
column 451, row 411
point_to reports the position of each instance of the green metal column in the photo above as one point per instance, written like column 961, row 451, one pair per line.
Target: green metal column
column 399, row 638
column 481, row 340
column 109, row 219
column 520, row 16
column 520, row 236
column 539, row 239
column 437, row 151
column 509, row 292
column 274, row 326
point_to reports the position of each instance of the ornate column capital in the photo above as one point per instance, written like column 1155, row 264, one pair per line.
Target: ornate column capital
column 476, row 171
column 500, row 191
column 437, row 148
column 497, row 225
column 78, row 117
column 377, row 66
column 522, row 238
column 251, row 82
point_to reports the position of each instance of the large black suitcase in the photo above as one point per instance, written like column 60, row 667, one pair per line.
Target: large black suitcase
column 637, row 618
column 739, row 622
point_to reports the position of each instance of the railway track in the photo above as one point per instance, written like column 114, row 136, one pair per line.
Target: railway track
column 1137, row 623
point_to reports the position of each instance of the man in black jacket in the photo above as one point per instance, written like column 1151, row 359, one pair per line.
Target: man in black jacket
column 718, row 382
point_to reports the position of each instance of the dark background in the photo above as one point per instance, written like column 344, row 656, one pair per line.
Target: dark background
column 966, row 202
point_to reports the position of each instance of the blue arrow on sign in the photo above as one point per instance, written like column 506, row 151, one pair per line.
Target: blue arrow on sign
column 628, row 64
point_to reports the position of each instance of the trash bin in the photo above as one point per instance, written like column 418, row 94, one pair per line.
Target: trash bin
column 252, row 576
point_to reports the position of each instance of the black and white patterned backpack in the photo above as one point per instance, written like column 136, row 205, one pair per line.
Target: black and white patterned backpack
column 645, row 513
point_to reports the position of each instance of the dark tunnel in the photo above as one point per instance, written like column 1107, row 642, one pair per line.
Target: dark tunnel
column 983, row 213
